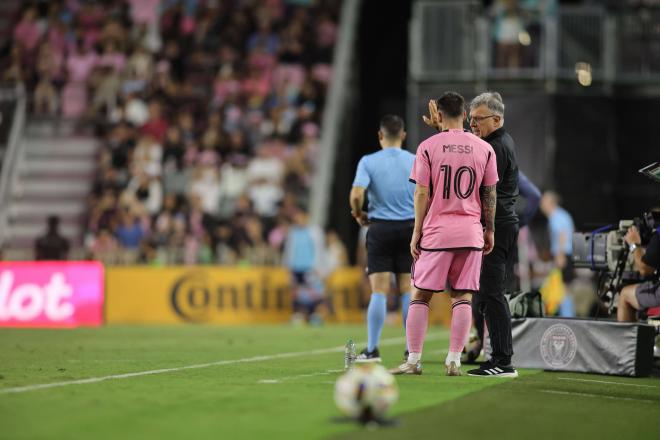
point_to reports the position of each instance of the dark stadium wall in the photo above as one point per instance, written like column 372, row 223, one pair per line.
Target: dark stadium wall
column 585, row 159
column 602, row 142
column 637, row 145
column 381, row 68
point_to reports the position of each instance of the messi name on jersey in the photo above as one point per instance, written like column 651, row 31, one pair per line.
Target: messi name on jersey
column 453, row 148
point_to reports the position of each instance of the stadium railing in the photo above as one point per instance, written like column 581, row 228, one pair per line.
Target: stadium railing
column 583, row 42
column 12, row 153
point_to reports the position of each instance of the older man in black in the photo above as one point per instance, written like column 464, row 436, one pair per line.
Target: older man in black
column 487, row 122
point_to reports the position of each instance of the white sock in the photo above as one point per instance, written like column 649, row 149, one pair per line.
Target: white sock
column 453, row 356
column 413, row 358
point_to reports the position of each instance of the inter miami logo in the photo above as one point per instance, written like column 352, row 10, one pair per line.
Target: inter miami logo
column 558, row 346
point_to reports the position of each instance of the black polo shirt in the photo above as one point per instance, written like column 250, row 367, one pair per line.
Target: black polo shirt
column 507, row 171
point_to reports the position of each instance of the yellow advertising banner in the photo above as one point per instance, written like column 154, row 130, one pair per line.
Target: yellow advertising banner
column 231, row 295
column 212, row 295
column 348, row 294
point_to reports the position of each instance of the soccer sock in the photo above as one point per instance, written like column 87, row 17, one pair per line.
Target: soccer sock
column 405, row 304
column 375, row 319
column 416, row 324
column 461, row 320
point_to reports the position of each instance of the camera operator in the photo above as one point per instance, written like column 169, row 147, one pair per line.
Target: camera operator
column 647, row 262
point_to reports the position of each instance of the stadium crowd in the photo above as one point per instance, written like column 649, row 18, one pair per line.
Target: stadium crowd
column 208, row 112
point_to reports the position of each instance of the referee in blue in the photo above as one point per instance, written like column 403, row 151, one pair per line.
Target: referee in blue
column 383, row 176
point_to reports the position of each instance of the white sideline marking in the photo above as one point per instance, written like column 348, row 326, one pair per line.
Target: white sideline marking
column 28, row 388
column 608, row 382
column 599, row 396
column 298, row 376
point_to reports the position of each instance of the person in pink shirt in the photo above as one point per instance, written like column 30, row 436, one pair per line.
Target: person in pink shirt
column 144, row 11
column 80, row 63
column 27, row 31
column 455, row 173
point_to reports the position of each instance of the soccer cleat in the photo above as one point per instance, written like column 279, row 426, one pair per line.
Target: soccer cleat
column 452, row 369
column 406, row 368
column 491, row 370
column 368, row 356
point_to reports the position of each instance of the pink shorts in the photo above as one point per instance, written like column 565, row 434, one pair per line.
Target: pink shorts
column 439, row 270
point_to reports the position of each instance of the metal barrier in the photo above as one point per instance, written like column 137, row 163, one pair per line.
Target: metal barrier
column 11, row 156
column 443, row 40
column 459, row 41
column 637, row 50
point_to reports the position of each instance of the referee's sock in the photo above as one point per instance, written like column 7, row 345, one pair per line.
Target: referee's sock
column 405, row 303
column 375, row 319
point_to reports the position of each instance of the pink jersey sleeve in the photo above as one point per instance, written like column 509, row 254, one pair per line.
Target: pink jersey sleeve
column 490, row 174
column 421, row 170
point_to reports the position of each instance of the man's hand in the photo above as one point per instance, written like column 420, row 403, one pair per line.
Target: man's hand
column 361, row 218
column 489, row 241
column 433, row 120
column 414, row 244
column 632, row 236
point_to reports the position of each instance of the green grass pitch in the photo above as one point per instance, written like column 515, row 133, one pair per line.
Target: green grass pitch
column 276, row 382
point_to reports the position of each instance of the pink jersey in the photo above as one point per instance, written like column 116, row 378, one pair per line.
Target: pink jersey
column 454, row 164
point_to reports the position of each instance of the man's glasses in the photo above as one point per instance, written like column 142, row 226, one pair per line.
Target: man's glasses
column 477, row 119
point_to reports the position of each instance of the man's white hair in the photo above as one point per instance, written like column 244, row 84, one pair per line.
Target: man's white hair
column 492, row 100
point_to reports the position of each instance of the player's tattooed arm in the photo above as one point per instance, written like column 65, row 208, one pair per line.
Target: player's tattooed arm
column 488, row 205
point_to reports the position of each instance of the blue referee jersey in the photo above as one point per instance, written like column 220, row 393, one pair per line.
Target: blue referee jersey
column 385, row 176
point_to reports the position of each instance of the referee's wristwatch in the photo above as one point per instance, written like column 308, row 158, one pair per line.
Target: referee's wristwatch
column 632, row 247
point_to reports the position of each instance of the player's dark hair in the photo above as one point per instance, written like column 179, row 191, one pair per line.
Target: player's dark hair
column 451, row 104
column 391, row 126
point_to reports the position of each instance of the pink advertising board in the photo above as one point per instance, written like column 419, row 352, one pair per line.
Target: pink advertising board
column 51, row 294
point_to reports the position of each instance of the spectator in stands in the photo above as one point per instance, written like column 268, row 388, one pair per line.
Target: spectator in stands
column 507, row 28
column 52, row 245
column 303, row 253
column 28, row 32
column 336, row 255
column 49, row 70
column 129, row 234
column 79, row 65
column 156, row 125
column 561, row 228
column 105, row 248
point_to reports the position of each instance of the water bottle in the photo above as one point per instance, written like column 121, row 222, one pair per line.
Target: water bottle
column 349, row 354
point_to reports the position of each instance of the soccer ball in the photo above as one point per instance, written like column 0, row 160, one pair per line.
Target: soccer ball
column 366, row 392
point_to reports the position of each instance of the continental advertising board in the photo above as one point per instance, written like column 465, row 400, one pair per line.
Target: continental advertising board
column 201, row 295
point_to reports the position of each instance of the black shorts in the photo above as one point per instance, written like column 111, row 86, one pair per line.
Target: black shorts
column 388, row 246
column 648, row 294
column 494, row 266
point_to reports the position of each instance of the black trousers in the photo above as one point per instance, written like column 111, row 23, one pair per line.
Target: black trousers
column 490, row 303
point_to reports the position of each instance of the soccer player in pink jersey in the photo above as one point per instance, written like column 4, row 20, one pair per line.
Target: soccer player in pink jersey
column 455, row 173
